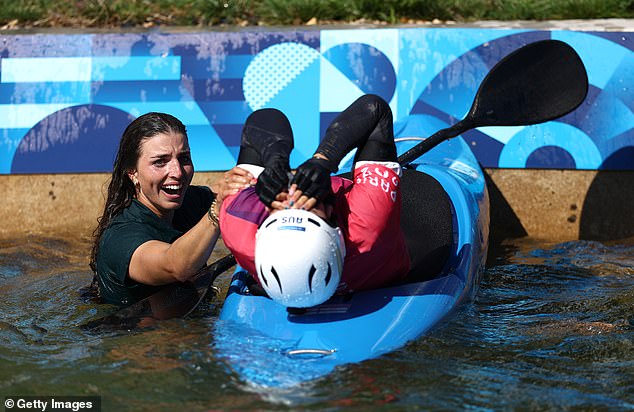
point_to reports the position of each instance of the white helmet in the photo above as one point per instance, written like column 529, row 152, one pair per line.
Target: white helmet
column 299, row 258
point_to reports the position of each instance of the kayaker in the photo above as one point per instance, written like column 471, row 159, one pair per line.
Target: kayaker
column 156, row 228
column 307, row 235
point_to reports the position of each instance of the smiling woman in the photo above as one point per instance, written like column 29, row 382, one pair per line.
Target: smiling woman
column 156, row 229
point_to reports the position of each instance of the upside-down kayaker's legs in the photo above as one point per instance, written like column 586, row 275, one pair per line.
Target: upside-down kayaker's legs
column 323, row 233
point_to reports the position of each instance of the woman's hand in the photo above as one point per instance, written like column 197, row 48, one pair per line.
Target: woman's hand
column 281, row 202
column 231, row 182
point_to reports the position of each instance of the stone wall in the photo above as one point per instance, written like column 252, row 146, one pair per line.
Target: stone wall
column 555, row 205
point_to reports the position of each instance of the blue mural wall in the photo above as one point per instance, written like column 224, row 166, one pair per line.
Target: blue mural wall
column 66, row 99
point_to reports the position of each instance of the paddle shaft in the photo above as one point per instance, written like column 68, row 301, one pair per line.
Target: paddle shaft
column 434, row 140
column 204, row 282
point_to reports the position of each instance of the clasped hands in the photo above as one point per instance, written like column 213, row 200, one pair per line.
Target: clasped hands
column 279, row 189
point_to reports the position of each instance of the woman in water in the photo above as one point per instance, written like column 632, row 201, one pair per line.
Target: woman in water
column 156, row 229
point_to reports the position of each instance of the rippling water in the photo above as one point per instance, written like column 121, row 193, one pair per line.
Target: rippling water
column 551, row 329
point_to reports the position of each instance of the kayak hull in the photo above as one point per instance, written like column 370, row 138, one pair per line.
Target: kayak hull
column 268, row 346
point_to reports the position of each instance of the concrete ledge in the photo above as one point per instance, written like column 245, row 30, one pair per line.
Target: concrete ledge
column 554, row 205
column 57, row 203
column 560, row 205
column 625, row 25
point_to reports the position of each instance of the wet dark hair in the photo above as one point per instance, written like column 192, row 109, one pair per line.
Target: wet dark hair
column 121, row 190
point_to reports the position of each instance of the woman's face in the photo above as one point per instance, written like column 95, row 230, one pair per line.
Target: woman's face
column 163, row 173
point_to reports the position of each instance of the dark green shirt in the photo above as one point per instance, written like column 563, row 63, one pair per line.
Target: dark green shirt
column 134, row 226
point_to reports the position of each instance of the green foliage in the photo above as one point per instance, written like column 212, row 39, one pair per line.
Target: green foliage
column 396, row 11
column 27, row 10
column 147, row 13
column 214, row 12
column 389, row 11
column 539, row 9
column 301, row 11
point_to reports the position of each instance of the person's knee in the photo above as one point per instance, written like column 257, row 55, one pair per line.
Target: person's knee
column 380, row 143
column 376, row 104
column 271, row 120
column 263, row 114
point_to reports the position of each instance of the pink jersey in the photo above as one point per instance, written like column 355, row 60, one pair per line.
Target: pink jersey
column 368, row 213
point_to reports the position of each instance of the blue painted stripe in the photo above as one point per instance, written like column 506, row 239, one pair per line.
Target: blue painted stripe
column 235, row 66
column 150, row 90
column 11, row 139
column 187, row 112
column 253, row 42
column 231, row 112
column 51, row 45
column 136, row 68
column 167, row 90
column 82, row 69
column 27, row 115
column 229, row 133
column 579, row 145
column 208, row 151
column 58, row 69
column 224, row 89
column 215, row 67
column 44, row 93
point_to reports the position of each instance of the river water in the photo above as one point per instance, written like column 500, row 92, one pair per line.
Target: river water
column 552, row 328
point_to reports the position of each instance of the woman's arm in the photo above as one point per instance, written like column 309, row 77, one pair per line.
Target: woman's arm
column 158, row 263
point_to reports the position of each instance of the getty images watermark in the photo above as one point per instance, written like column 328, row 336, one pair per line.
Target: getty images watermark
column 52, row 403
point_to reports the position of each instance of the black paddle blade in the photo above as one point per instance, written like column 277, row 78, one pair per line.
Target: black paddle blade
column 536, row 83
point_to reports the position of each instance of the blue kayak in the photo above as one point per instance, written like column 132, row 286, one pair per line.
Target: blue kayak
column 446, row 205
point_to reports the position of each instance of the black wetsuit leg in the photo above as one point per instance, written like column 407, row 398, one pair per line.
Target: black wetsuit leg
column 266, row 134
column 366, row 125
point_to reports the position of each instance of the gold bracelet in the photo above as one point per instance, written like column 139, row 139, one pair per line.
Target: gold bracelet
column 211, row 213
